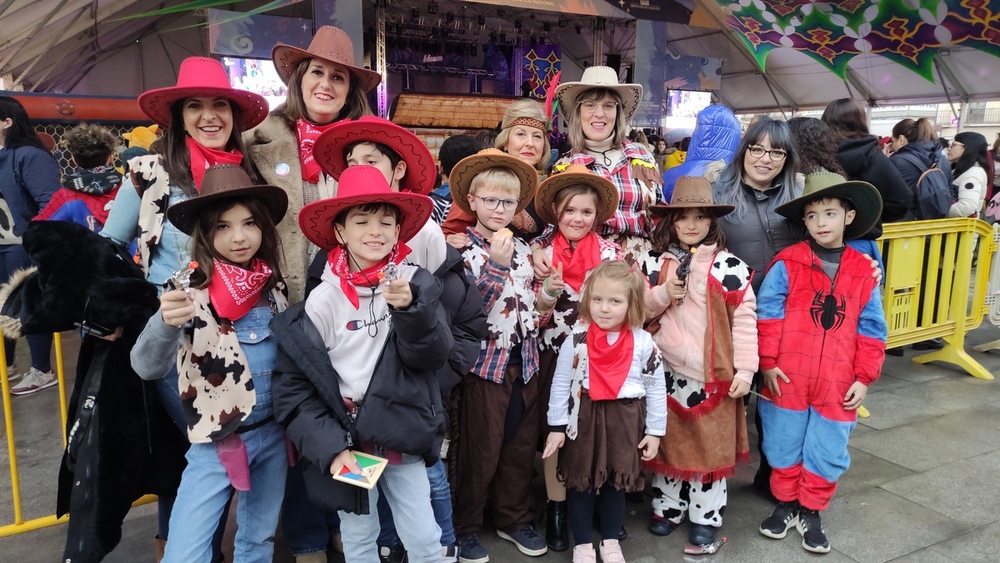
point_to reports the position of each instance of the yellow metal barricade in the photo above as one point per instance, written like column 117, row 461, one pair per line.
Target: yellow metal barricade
column 930, row 291
column 993, row 295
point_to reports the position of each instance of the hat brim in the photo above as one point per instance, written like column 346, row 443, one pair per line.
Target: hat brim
column 184, row 215
column 316, row 219
column 331, row 146
column 286, row 58
column 866, row 199
column 568, row 93
column 156, row 103
column 607, row 202
column 467, row 168
column 716, row 210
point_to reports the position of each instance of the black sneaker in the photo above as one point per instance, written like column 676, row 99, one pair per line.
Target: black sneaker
column 811, row 528
column 782, row 518
column 471, row 551
column 392, row 553
column 660, row 526
column 701, row 534
column 526, row 539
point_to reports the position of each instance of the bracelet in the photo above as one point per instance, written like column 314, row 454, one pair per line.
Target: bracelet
column 545, row 288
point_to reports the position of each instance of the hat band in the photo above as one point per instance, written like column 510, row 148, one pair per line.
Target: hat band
column 527, row 121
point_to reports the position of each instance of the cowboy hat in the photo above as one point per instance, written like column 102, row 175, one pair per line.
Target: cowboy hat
column 575, row 175
column 598, row 77
column 865, row 198
column 330, row 150
column 693, row 192
column 222, row 182
column 467, row 169
column 330, row 44
column 203, row 77
column 359, row 185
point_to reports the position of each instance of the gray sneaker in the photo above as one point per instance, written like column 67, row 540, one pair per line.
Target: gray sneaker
column 34, row 380
column 527, row 541
column 471, row 551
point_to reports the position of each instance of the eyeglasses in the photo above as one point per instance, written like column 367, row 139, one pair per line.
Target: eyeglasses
column 775, row 154
column 591, row 107
column 492, row 203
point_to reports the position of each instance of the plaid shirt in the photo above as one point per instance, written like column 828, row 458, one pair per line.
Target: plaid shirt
column 509, row 300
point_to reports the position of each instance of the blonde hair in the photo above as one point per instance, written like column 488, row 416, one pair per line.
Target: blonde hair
column 498, row 179
column 576, row 137
column 635, row 290
column 530, row 109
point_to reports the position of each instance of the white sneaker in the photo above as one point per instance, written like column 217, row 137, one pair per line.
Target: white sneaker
column 12, row 373
column 34, row 380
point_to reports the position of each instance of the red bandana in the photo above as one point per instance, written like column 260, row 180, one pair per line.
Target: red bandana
column 202, row 157
column 576, row 261
column 369, row 277
column 233, row 290
column 308, row 133
column 609, row 363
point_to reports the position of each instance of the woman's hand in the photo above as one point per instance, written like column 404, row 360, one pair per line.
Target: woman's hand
column 877, row 274
column 648, row 447
column 739, row 388
column 542, row 264
column 176, row 308
column 459, row 240
column 345, row 457
column 397, row 293
column 553, row 443
column 771, row 379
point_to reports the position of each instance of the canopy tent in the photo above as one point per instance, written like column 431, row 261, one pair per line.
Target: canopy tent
column 882, row 51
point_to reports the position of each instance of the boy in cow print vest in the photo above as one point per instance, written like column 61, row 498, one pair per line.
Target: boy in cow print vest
column 822, row 342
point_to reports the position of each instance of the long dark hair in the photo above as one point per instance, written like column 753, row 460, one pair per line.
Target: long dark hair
column 665, row 235
column 729, row 191
column 203, row 240
column 975, row 153
column 816, row 145
column 20, row 133
column 846, row 119
column 176, row 159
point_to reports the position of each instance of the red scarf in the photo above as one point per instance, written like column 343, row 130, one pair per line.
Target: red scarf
column 576, row 261
column 234, row 290
column 202, row 157
column 369, row 277
column 609, row 363
column 308, row 133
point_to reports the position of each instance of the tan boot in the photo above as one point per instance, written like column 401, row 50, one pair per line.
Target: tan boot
column 318, row 557
column 161, row 545
column 584, row 553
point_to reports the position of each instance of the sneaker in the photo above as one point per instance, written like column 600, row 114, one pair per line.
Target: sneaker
column 392, row 553
column 33, row 381
column 12, row 373
column 611, row 552
column 782, row 518
column 813, row 536
column 449, row 553
column 471, row 551
column 527, row 541
column 584, row 553
column 701, row 534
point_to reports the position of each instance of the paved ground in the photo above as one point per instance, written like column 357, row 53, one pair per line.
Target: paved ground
column 922, row 486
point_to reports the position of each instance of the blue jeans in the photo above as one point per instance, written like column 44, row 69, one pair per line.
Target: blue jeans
column 440, row 502
column 13, row 258
column 205, row 489
column 307, row 527
column 408, row 492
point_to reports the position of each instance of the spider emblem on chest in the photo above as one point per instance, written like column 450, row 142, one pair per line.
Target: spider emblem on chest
column 828, row 310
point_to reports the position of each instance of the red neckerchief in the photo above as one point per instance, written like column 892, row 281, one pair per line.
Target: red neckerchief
column 202, row 157
column 308, row 133
column 233, row 290
column 369, row 277
column 609, row 363
column 576, row 261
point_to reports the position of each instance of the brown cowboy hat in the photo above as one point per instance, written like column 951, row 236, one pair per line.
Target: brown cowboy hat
column 696, row 192
column 222, row 182
column 467, row 168
column 202, row 76
column 330, row 44
column 574, row 175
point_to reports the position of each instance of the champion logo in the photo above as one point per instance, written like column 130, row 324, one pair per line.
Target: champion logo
column 362, row 324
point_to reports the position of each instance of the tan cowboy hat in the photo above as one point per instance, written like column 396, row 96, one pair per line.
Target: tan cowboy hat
column 574, row 175
column 693, row 192
column 330, row 44
column 467, row 168
column 823, row 184
column 222, row 182
column 598, row 77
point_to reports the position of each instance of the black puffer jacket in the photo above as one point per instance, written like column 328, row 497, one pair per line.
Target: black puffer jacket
column 914, row 159
column 862, row 160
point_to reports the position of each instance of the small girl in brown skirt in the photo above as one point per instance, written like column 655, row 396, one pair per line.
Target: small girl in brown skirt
column 609, row 398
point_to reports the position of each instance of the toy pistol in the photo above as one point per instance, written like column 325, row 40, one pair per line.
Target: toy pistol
column 181, row 279
column 683, row 269
column 390, row 272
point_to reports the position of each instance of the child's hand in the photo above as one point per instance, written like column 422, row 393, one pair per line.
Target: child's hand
column 676, row 289
column 739, row 388
column 540, row 260
column 502, row 250
column 344, row 458
column 855, row 395
column 459, row 240
column 397, row 293
column 176, row 308
column 553, row 443
column 556, row 284
column 771, row 379
column 648, row 447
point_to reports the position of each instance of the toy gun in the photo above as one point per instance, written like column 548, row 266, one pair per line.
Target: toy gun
column 390, row 273
column 181, row 279
column 683, row 269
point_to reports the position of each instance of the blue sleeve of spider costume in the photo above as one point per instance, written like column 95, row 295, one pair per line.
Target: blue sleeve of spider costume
column 773, row 293
column 872, row 332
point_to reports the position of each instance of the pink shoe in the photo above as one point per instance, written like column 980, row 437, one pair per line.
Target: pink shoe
column 584, row 553
column 611, row 552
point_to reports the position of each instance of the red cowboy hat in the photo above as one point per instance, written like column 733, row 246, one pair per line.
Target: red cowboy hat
column 330, row 44
column 201, row 76
column 331, row 148
column 359, row 185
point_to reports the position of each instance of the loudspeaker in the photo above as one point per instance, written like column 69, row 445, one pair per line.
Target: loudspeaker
column 615, row 62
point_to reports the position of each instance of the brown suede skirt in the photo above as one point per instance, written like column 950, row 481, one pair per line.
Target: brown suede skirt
column 606, row 448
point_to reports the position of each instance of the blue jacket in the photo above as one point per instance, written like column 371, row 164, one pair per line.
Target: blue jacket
column 715, row 137
column 28, row 178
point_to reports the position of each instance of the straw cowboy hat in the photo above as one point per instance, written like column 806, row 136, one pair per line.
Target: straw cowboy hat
column 222, row 182
column 574, row 175
column 330, row 44
column 330, row 150
column 203, row 77
column 359, row 185
column 693, row 192
column 825, row 184
column 467, row 168
column 598, row 77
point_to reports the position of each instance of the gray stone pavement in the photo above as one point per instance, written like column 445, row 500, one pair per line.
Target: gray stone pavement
column 922, row 487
